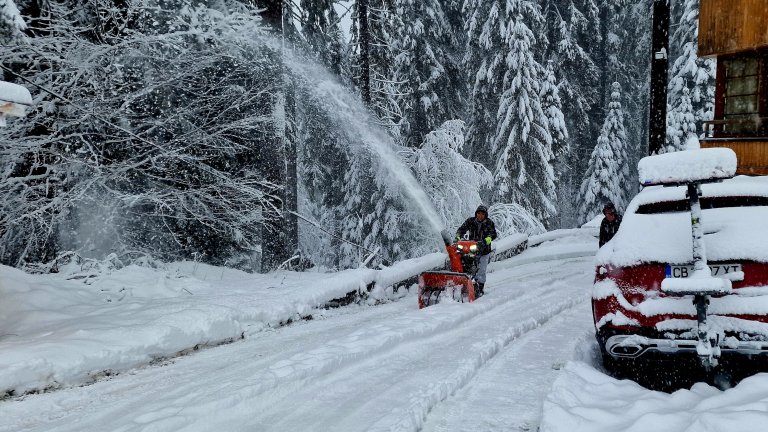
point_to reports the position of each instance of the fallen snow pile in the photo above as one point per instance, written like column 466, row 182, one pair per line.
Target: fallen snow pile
column 58, row 330
column 584, row 399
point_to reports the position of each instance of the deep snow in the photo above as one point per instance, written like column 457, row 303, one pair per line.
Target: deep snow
column 520, row 358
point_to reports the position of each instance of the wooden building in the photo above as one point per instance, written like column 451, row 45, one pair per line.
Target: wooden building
column 735, row 32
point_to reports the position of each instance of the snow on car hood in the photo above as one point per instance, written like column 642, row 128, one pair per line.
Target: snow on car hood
column 732, row 233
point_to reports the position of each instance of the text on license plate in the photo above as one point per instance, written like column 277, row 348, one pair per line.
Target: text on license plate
column 683, row 271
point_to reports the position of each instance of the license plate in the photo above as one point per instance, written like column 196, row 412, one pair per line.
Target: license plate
column 718, row 270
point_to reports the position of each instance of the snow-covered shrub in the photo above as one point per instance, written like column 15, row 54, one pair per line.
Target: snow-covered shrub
column 514, row 218
column 158, row 143
column 453, row 182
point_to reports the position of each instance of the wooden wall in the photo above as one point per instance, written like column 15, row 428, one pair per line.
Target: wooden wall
column 728, row 26
column 752, row 155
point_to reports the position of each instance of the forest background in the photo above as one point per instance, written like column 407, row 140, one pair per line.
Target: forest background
column 183, row 130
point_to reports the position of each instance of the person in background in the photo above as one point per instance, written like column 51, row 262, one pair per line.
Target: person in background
column 610, row 224
column 481, row 229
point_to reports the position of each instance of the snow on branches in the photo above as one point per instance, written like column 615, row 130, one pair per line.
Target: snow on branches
column 154, row 145
column 452, row 182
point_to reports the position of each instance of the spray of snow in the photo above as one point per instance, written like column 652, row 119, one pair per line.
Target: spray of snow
column 349, row 112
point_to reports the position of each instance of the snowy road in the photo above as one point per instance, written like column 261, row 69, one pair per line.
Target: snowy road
column 451, row 367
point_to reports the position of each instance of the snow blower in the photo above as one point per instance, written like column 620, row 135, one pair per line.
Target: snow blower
column 459, row 281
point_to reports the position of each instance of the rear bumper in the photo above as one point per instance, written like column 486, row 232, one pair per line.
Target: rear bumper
column 630, row 346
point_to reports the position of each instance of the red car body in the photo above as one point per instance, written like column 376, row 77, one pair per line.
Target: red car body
column 635, row 320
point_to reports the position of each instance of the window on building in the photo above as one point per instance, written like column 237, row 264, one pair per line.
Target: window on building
column 742, row 96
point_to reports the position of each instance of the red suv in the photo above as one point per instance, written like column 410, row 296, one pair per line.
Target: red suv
column 638, row 326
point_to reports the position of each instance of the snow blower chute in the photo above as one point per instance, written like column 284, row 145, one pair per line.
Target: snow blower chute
column 459, row 282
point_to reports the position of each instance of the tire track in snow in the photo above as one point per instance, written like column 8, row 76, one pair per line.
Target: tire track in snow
column 507, row 394
column 442, row 377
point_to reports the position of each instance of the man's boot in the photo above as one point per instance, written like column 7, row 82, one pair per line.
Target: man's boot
column 479, row 291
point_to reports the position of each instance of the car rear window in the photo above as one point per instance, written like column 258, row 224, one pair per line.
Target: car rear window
column 706, row 203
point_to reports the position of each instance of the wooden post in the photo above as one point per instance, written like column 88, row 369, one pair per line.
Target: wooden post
column 657, row 122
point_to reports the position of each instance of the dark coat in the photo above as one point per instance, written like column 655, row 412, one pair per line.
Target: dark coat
column 609, row 229
column 478, row 231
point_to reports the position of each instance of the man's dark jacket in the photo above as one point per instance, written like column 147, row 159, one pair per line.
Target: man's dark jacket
column 608, row 229
column 478, row 231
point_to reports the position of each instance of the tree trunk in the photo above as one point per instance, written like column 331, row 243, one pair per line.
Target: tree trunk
column 280, row 230
column 365, row 51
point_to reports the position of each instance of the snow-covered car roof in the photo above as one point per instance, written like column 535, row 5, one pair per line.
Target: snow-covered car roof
column 730, row 233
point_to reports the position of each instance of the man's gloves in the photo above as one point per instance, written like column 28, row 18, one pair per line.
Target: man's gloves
column 488, row 240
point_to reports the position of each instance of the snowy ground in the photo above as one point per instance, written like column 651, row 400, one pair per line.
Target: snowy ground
column 486, row 366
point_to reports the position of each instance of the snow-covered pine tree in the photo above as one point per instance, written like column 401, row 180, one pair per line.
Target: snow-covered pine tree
column 483, row 63
column 691, row 73
column 373, row 60
column 561, row 148
column 626, row 47
column 321, row 30
column 572, row 45
column 322, row 153
column 552, row 107
column 573, row 38
column 608, row 174
column 425, row 64
column 522, row 147
column 681, row 125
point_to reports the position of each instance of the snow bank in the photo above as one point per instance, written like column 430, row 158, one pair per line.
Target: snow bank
column 594, row 223
column 64, row 329
column 730, row 233
column 687, row 166
column 560, row 244
column 560, row 234
column 584, row 399
column 59, row 332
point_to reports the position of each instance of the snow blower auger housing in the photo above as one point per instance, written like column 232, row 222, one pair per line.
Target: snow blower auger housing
column 459, row 282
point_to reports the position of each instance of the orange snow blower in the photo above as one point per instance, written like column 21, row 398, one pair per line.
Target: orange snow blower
column 459, row 282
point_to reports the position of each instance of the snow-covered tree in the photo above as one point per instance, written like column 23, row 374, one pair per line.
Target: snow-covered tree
column 453, row 183
column 427, row 67
column 522, row 147
column 506, row 114
column 608, row 173
column 552, row 107
column 320, row 27
column 513, row 219
column 692, row 74
column 573, row 40
column 372, row 68
column 157, row 147
column 681, row 124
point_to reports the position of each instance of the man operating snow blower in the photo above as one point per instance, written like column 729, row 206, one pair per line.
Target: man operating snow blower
column 480, row 229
